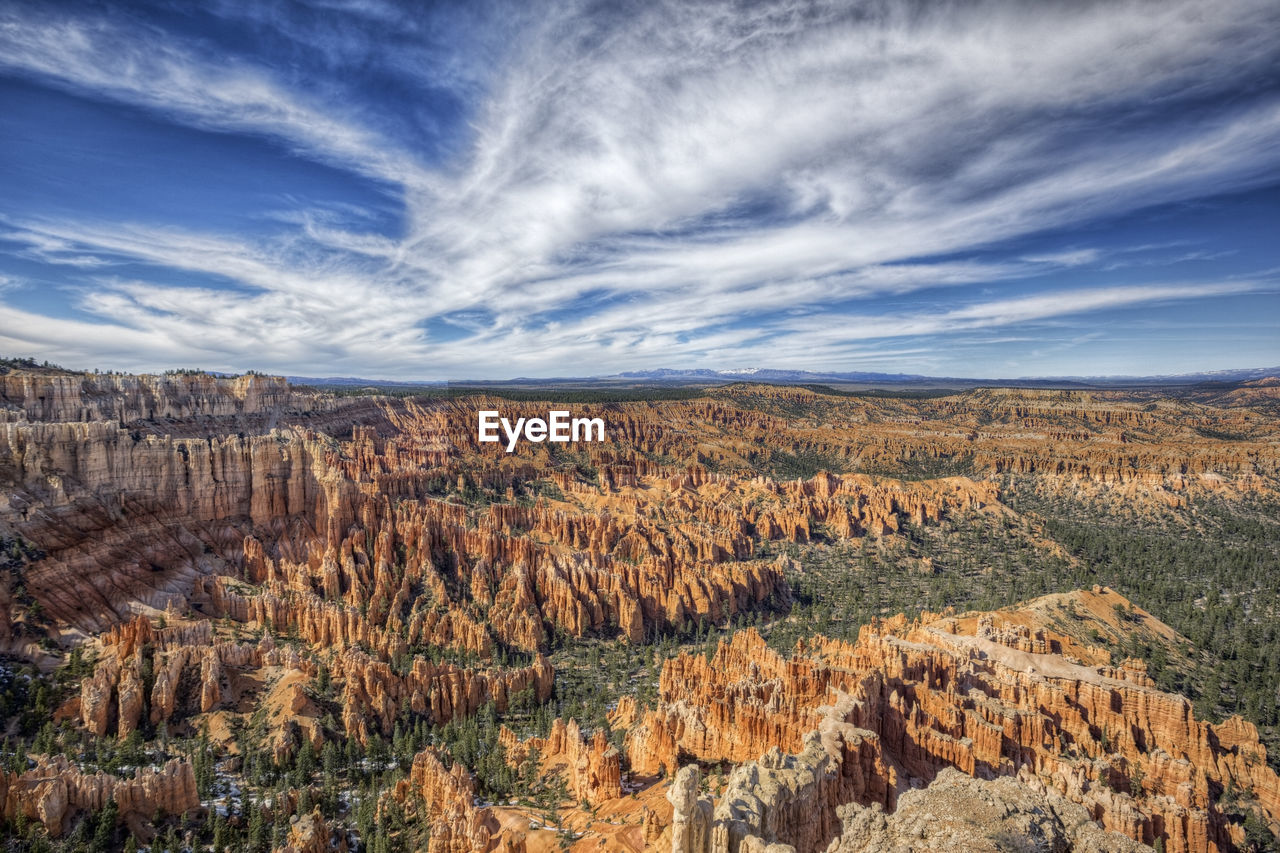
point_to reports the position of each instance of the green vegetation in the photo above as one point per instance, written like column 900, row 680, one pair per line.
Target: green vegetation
column 882, row 393
column 588, row 395
column 923, row 466
column 15, row 555
column 967, row 562
column 28, row 363
column 1221, row 435
column 1213, row 574
column 804, row 464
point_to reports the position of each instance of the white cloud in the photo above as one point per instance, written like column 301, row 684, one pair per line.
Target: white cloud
column 693, row 183
column 1067, row 257
column 196, row 87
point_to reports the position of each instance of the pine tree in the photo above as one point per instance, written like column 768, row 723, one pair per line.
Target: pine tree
column 257, row 829
column 106, row 827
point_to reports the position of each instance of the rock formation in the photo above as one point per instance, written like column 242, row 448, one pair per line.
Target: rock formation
column 288, row 538
column 186, row 663
column 53, row 791
column 909, row 699
column 960, row 814
column 690, row 814
column 446, row 798
column 310, row 833
column 48, row 396
column 592, row 766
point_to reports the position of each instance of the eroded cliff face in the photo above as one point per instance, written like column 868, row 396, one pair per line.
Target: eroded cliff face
column 444, row 801
column 987, row 698
column 127, row 521
column 54, row 791
column 289, row 540
column 592, row 766
column 76, row 397
column 337, row 505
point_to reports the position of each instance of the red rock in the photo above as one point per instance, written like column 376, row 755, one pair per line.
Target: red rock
column 53, row 791
column 926, row 696
column 310, row 833
column 592, row 767
column 446, row 798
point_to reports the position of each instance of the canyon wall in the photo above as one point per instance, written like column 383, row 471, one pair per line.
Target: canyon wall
column 290, row 538
column 54, row 791
column 123, row 398
column 592, row 766
column 907, row 700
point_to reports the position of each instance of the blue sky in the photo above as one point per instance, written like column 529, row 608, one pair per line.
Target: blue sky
column 488, row 190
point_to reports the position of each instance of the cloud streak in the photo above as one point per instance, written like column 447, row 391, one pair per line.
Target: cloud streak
column 186, row 84
column 704, row 184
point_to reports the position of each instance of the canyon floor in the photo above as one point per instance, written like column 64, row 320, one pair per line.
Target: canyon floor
column 240, row 615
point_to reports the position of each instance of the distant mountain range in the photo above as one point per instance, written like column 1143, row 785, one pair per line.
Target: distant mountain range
column 357, row 381
column 670, row 376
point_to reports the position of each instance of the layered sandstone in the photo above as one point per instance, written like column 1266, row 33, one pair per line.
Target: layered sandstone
column 446, row 799
column 131, row 522
column 54, row 792
column 592, row 766
column 123, row 398
column 310, row 833
column 911, row 699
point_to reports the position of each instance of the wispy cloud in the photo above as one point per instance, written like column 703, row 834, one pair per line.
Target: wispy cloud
column 1067, row 257
column 192, row 84
column 673, row 182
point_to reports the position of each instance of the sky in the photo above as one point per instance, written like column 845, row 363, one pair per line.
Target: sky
column 491, row 190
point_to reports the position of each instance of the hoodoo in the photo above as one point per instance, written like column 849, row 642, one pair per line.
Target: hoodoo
column 758, row 619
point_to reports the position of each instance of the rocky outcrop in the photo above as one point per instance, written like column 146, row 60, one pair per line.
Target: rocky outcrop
column 446, row 799
column 959, row 814
column 190, row 667
column 775, row 797
column 690, row 814
column 186, row 664
column 592, row 766
column 909, row 699
column 49, row 396
column 54, row 791
column 310, row 833
column 373, row 693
